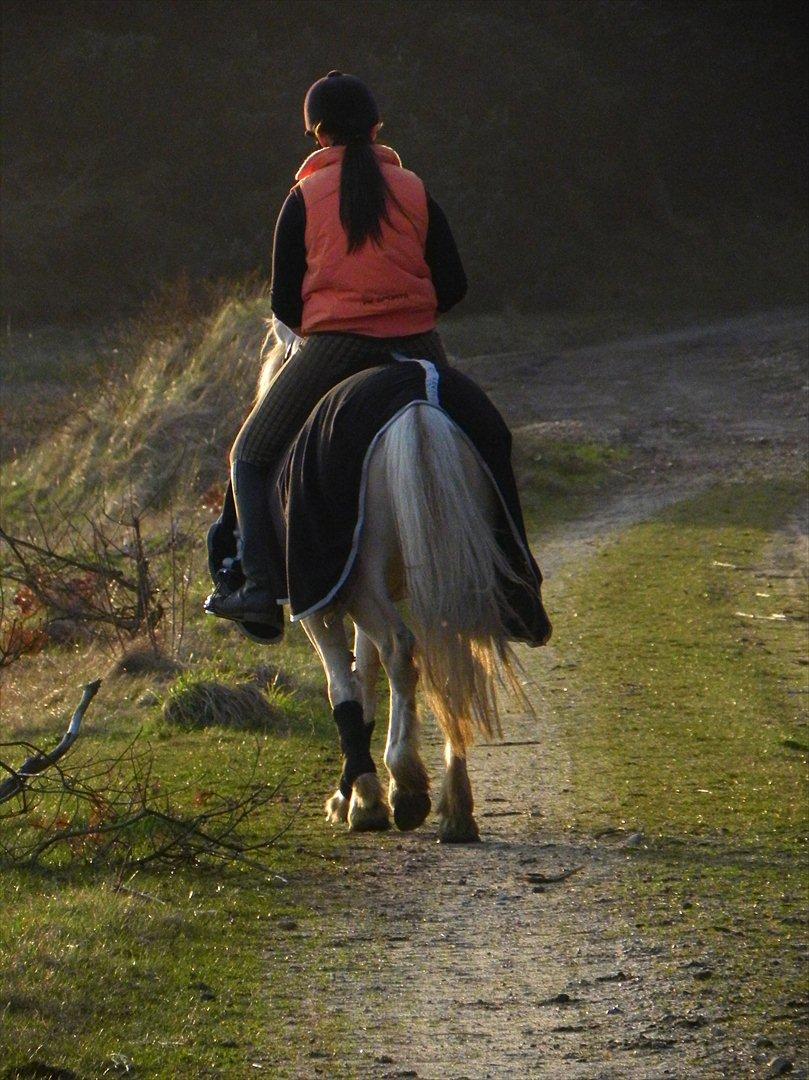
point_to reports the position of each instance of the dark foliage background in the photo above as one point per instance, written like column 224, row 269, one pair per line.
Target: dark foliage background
column 588, row 152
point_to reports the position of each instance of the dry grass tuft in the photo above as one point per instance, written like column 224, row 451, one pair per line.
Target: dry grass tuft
column 193, row 704
column 145, row 661
column 269, row 677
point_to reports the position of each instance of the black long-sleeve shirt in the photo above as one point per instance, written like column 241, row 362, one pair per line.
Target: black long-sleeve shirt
column 289, row 259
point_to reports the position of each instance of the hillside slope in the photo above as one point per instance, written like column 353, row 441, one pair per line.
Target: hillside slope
column 159, row 428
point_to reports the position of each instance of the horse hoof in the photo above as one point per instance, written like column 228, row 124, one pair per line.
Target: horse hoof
column 374, row 819
column 367, row 811
column 458, row 831
column 337, row 808
column 410, row 809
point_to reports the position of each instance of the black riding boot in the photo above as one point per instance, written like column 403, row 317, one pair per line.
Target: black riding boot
column 256, row 600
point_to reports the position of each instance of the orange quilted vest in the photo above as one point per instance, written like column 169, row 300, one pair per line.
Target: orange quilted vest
column 380, row 290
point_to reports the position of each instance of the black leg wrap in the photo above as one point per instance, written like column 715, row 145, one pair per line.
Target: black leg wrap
column 355, row 742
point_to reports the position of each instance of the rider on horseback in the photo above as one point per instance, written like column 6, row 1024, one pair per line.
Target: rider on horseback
column 363, row 261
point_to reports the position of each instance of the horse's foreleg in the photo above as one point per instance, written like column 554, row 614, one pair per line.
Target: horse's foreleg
column 456, row 825
column 358, row 799
column 408, row 791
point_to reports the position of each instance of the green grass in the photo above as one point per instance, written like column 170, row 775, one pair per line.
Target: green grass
column 200, row 975
column 560, row 480
column 694, row 716
column 688, row 723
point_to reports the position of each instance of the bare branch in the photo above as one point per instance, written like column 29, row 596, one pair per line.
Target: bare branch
column 78, row 572
column 38, row 762
column 17, row 545
column 112, row 813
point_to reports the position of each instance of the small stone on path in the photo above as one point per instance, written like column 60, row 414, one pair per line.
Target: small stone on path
column 557, row 999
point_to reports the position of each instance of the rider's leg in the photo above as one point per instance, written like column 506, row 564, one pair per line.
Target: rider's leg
column 261, row 558
column 359, row 798
column 273, row 423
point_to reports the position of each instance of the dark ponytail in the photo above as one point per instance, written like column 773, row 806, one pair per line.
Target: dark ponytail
column 343, row 107
column 364, row 194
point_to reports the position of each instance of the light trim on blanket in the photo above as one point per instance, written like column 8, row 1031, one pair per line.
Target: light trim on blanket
column 431, row 376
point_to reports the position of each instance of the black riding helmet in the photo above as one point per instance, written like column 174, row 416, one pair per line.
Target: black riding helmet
column 342, row 104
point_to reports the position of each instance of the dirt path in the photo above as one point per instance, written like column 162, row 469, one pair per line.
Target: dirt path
column 462, row 961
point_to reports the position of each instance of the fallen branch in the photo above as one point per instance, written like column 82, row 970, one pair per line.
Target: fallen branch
column 112, row 812
column 93, row 574
column 39, row 762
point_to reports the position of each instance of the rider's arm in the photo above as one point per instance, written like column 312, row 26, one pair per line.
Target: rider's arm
column 441, row 255
column 289, row 261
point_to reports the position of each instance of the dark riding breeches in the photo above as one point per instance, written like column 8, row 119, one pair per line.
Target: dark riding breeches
column 322, row 362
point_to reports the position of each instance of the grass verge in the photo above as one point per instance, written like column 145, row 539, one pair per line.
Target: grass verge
column 179, row 971
column 559, row 480
column 686, row 641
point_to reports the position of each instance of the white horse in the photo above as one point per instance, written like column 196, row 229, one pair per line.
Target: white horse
column 428, row 537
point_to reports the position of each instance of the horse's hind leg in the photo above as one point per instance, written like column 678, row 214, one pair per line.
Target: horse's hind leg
column 359, row 798
column 408, row 792
column 456, row 825
column 367, row 665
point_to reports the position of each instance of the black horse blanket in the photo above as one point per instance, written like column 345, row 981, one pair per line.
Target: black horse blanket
column 320, row 490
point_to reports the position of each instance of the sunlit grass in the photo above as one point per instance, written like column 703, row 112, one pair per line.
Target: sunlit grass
column 692, row 701
column 683, row 707
column 184, row 971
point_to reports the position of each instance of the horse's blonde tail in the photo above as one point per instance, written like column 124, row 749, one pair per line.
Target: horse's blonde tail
column 442, row 503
